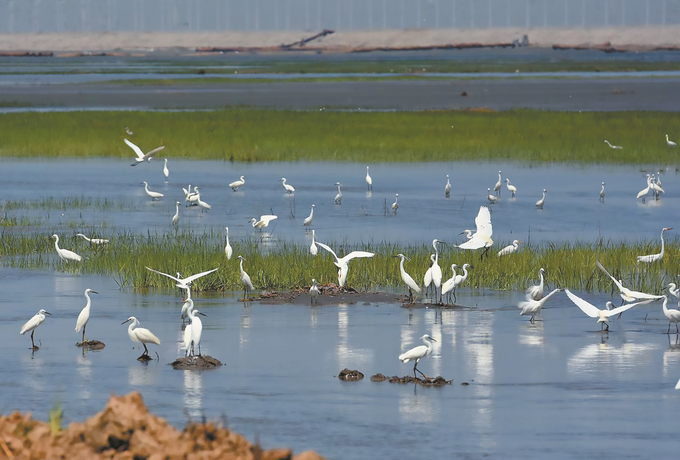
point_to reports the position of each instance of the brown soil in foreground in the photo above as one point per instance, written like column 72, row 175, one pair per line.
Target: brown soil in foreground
column 126, row 430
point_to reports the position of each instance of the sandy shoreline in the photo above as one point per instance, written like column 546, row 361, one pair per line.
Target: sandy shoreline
column 145, row 42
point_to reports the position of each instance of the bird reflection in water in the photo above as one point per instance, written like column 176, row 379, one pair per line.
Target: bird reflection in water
column 193, row 394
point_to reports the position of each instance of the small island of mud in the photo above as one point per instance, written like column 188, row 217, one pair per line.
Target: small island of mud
column 91, row 345
column 197, row 363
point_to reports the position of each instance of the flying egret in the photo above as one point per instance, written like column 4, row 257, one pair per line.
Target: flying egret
column 447, row 286
column 602, row 315
column 183, row 283
column 539, row 203
column 141, row 157
column 626, row 294
column 308, row 221
column 395, row 205
column 612, row 146
column 427, row 278
column 343, row 262
column 459, row 279
column 497, row 187
column 536, row 292
column 509, row 249
column 175, row 218
column 263, row 222
column 492, row 198
column 154, row 195
column 533, row 307
column 140, row 335
column 33, row 323
column 245, row 280
column 655, row 257
column 482, row 237
column 447, row 187
column 84, row 315
column 468, row 234
column 369, row 180
column 227, row 249
column 129, row 133
column 418, row 353
column 289, row 188
column 672, row 314
column 93, row 240
column 313, row 250
column 511, row 188
column 674, row 290
column 602, row 193
column 238, row 183
column 670, row 142
column 166, row 171
column 65, row 254
column 314, row 292
column 406, row 278
column 338, row 197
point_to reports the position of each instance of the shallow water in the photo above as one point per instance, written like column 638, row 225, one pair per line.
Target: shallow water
column 556, row 388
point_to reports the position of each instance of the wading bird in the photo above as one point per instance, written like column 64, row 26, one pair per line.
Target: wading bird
column 183, row 283
column 447, row 187
column 541, row 202
column 141, row 157
column 289, row 188
column 342, row 262
column 65, row 254
column 154, row 195
column 536, row 292
column 418, row 353
column 427, row 278
column 166, row 171
column 338, row 197
column 195, row 332
column 672, row 314
column 447, row 286
column 601, row 315
column 238, row 183
column 140, row 335
column 497, row 187
column 612, row 146
column 436, row 271
column 186, row 305
column 626, row 294
column 395, row 205
column 93, row 240
column 459, row 279
column 314, row 292
column 407, row 279
column 509, row 249
column 492, row 198
column 674, row 290
column 313, row 250
column 655, row 257
column 32, row 324
column 202, row 204
column 245, row 280
column 369, row 180
column 482, row 237
column 602, row 193
column 175, row 218
column 227, row 249
column 84, row 315
column 533, row 307
column 645, row 191
column 670, row 142
column 308, row 221
column 263, row 222
column 511, row 188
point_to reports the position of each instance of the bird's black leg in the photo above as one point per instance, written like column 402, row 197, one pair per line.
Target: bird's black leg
column 84, row 337
column 33, row 332
column 676, row 329
column 607, row 328
column 668, row 332
column 414, row 370
column 199, row 349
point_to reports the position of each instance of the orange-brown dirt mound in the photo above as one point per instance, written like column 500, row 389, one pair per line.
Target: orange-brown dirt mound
column 126, row 430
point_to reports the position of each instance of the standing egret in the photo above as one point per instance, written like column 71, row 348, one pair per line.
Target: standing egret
column 459, row 279
column 154, row 195
column 509, row 249
column 645, row 191
column 175, row 218
column 289, row 188
column 186, row 335
column 140, row 335
column 536, row 292
column 447, row 187
column 141, row 157
column 369, row 180
column 343, row 262
column 227, row 249
column 655, row 257
column 314, row 292
column 187, row 305
column 533, row 307
column 263, row 222
column 93, row 240
column 202, row 204
column 655, row 186
column 674, row 290
column 313, row 250
column 32, row 324
column 436, row 271
column 497, row 187
column 406, row 278
column 492, row 198
column 166, row 171
column 129, row 133
column 602, row 315
column 673, row 315
column 395, row 205
column 427, row 278
column 626, row 294
column 308, row 221
column 602, row 193
column 84, row 315
column 418, row 353
column 245, row 280
column 238, row 183
column 183, row 283
column 482, row 237
column 612, row 146
column 670, row 142
column 338, row 197
column 541, row 202
column 189, row 195
column 511, row 188
column 196, row 329
column 65, row 254
column 447, row 286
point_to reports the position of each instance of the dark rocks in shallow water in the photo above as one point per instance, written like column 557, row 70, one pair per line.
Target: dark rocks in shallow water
column 378, row 378
column 350, row 376
column 435, row 382
column 91, row 345
column 196, row 363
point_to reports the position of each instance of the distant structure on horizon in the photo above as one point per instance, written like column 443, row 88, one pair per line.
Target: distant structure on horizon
column 39, row 16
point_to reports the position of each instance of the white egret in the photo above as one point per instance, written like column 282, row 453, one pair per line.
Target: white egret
column 245, row 280
column 188, row 194
column 141, row 157
column 175, row 218
column 511, row 188
column 510, row 248
column 602, row 193
column 196, row 328
column 672, row 314
column 166, row 171
column 482, row 237
column 93, row 240
column 670, row 142
column 418, row 353
column 154, row 195
column 308, row 221
column 674, row 290
column 33, row 323
column 427, row 278
column 129, row 133
column 342, row 262
column 183, row 283
column 626, row 294
column 395, row 205
column 541, row 202
column 186, row 305
column 406, row 278
column 447, row 286
column 645, row 191
column 468, row 234
column 447, row 187
column 289, row 188
column 369, row 180
column 313, row 250
column 612, row 146
column 202, row 204
column 492, row 198
column 338, row 197
column 497, row 187
column 459, row 279
column 263, row 222
column 227, row 249
column 602, row 315
column 655, row 257
column 436, row 270
column 238, row 183
column 84, row 315
column 655, row 186
column 65, row 254
column 186, row 335
column 536, row 292
column 533, row 307
column 140, row 335
column 314, row 292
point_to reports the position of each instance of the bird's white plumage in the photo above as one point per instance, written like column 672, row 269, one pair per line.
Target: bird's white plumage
column 238, row 183
column 418, row 353
column 536, row 292
column 655, row 257
column 245, row 279
column 139, row 334
column 342, row 262
column 141, row 156
column 166, row 171
column 263, row 222
column 511, row 188
column 601, row 314
column 369, row 179
column 338, row 197
column 541, row 202
column 509, row 249
column 152, row 194
column 670, row 142
column 395, row 205
column 313, row 250
column 308, row 220
column 314, row 291
column 93, row 240
column 175, row 218
column 228, row 251
column 672, row 314
column 84, row 316
column 406, row 278
column 674, row 290
column 184, row 283
column 533, row 307
column 447, row 187
column 447, row 286
column 492, row 198
column 627, row 294
column 34, row 322
column 612, row 146
column 289, row 188
column 497, row 187
column 427, row 278
column 482, row 237
column 65, row 254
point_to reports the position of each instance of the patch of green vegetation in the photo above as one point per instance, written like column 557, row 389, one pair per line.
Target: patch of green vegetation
column 12, row 104
column 252, row 135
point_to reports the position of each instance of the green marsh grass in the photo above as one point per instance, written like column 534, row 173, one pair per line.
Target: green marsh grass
column 252, row 135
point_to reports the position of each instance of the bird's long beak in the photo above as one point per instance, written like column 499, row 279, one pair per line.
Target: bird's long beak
column 94, row 292
column 432, row 339
column 127, row 320
column 48, row 313
column 201, row 313
column 461, row 233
